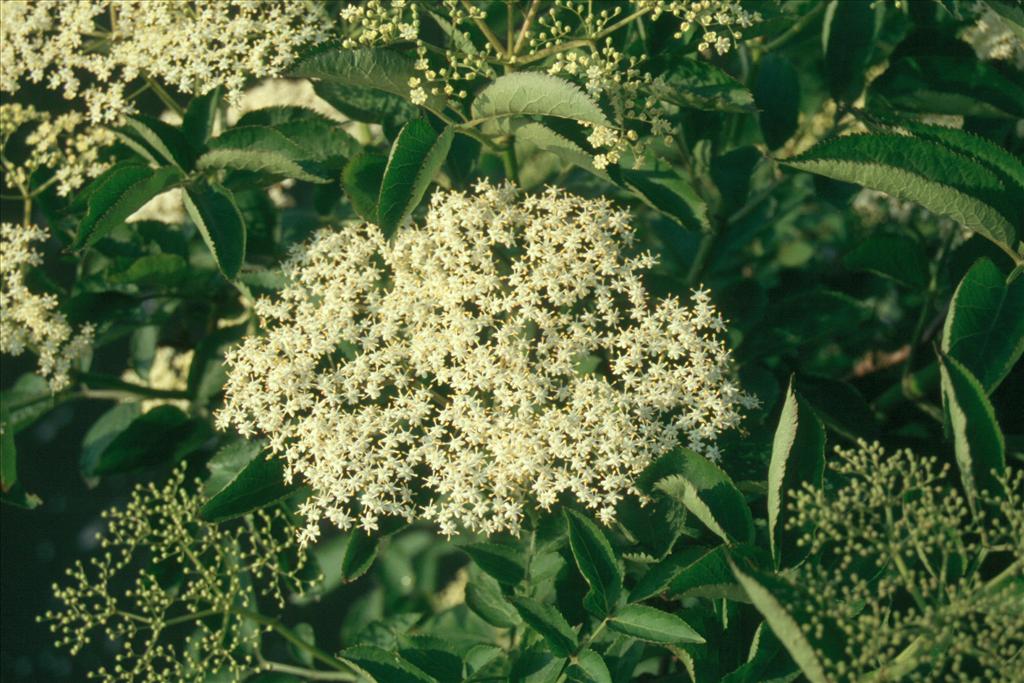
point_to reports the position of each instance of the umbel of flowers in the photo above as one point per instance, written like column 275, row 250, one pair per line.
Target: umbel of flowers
column 501, row 354
column 30, row 320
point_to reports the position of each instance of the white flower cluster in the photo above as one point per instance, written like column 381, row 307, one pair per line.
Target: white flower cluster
column 378, row 22
column 719, row 21
column 32, row 321
column 503, row 353
column 94, row 49
column 65, row 143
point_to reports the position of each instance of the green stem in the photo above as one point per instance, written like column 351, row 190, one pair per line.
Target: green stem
column 164, row 96
column 700, row 260
column 508, row 159
column 582, row 42
column 106, row 386
column 793, row 30
column 486, row 30
column 294, row 639
column 525, row 29
column 306, row 674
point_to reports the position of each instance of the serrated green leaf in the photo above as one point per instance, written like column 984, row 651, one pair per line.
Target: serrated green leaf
column 483, row 596
column 361, row 180
column 261, row 149
column 502, row 562
column 416, row 156
column 977, row 148
column 367, row 67
column 984, row 329
column 949, row 84
column 528, row 93
column 546, row 620
column 710, row 575
column 798, row 457
column 435, row 657
column 166, row 141
column 659, row 575
column 567, row 151
column 215, row 214
column 227, row 462
column 977, row 440
column 589, row 667
column 118, row 194
column 777, row 94
column 597, row 563
column 383, row 666
column 655, row 525
column 709, row 494
column 257, row 481
column 535, row 665
column 164, row 434
column 653, row 625
column 321, row 139
column 670, row 194
column 759, row 588
column 898, row 257
column 360, row 553
column 921, row 171
column 366, row 104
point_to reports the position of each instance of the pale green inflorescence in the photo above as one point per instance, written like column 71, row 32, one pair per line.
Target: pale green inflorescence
column 178, row 595
column 503, row 353
column 914, row 585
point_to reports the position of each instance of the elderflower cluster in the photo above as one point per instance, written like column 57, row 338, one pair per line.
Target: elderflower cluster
column 30, row 320
column 500, row 355
column 168, row 372
column 898, row 561
column 719, row 21
column 377, row 22
column 65, row 144
column 173, row 591
column 100, row 50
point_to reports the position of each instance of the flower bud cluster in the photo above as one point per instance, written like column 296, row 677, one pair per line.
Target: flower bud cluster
column 500, row 355
column 65, row 143
column 719, row 21
column 897, row 557
column 173, row 591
